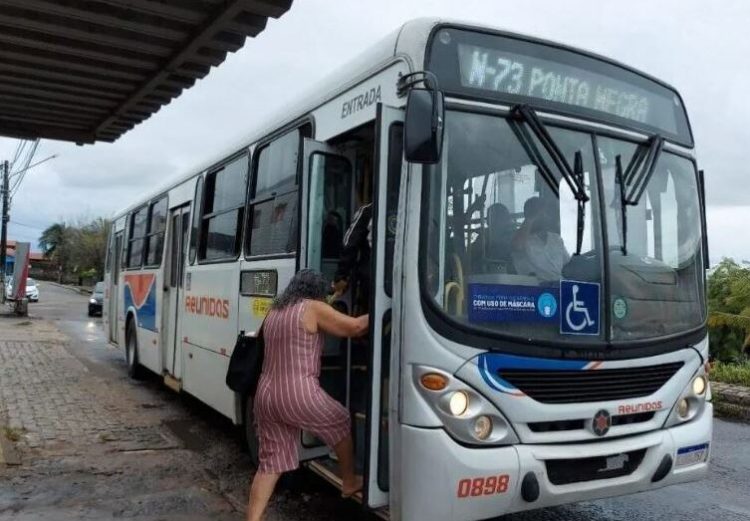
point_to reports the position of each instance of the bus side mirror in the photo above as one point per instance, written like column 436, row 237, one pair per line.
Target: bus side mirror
column 423, row 128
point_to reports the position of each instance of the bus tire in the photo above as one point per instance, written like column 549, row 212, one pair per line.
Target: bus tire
column 250, row 437
column 135, row 370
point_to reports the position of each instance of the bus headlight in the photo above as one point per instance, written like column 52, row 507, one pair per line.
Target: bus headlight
column 699, row 385
column 692, row 401
column 458, row 403
column 683, row 408
column 465, row 414
column 482, row 427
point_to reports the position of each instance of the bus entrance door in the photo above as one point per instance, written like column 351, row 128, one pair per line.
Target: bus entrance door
column 179, row 226
column 327, row 188
column 388, row 164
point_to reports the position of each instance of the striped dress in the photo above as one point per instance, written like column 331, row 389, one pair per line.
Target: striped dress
column 289, row 397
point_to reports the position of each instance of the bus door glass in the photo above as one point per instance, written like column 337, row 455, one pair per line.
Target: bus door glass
column 388, row 153
column 179, row 225
column 114, row 285
column 327, row 184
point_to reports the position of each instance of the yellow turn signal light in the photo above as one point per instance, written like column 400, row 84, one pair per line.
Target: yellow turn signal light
column 434, row 381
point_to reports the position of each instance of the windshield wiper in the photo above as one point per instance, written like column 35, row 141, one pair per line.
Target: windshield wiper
column 637, row 176
column 574, row 177
column 580, row 201
column 641, row 168
column 620, row 179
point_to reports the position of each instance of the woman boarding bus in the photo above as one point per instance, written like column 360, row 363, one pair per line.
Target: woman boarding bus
column 510, row 364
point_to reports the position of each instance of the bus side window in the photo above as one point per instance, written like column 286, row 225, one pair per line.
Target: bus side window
column 157, row 223
column 223, row 210
column 136, row 236
column 197, row 210
column 272, row 215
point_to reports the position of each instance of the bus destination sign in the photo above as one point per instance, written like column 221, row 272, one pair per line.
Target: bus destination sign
column 516, row 70
column 516, row 74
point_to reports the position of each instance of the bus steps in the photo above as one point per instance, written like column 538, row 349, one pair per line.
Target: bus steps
column 328, row 470
column 172, row 382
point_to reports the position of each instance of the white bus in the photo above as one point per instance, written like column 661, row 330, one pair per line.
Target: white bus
column 537, row 281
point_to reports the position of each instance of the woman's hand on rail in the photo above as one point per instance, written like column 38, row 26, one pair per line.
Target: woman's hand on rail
column 338, row 324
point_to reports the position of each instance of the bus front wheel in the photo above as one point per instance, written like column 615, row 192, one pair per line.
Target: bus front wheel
column 135, row 371
column 251, row 437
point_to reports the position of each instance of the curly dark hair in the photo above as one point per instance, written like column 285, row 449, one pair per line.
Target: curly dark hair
column 306, row 284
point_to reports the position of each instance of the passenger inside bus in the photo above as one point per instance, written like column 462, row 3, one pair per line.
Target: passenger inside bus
column 354, row 262
column 491, row 250
column 538, row 248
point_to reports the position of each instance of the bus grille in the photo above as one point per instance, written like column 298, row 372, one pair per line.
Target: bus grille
column 566, row 471
column 573, row 425
column 597, row 385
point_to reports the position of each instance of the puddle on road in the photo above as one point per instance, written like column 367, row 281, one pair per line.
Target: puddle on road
column 188, row 433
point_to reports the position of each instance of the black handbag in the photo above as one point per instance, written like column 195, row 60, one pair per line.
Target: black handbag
column 246, row 363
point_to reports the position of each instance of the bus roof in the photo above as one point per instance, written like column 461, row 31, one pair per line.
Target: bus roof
column 408, row 42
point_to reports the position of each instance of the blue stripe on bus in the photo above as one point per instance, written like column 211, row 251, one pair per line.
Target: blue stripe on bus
column 490, row 364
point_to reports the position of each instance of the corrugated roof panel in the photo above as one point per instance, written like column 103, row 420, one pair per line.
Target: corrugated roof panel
column 89, row 70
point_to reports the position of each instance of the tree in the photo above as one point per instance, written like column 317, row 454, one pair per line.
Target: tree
column 729, row 309
column 77, row 250
column 56, row 243
column 91, row 247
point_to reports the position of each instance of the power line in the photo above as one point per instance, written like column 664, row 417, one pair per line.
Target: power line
column 53, row 156
column 27, row 225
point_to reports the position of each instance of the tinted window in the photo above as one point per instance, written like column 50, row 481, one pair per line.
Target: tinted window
column 221, row 236
column 223, row 211
column 277, row 163
column 226, row 188
column 196, row 218
column 138, row 222
column 274, row 225
column 110, row 251
column 157, row 224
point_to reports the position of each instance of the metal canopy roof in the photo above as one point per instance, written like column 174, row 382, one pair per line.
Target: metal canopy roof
column 90, row 70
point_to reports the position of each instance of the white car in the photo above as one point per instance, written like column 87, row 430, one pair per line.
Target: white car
column 32, row 290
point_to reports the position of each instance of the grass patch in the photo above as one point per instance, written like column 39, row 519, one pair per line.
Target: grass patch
column 731, row 373
column 12, row 434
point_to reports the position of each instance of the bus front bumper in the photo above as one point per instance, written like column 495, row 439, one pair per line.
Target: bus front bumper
column 442, row 480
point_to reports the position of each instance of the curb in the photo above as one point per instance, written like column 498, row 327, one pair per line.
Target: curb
column 731, row 401
column 74, row 289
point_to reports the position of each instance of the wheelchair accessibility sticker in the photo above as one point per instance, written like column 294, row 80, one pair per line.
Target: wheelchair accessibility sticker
column 579, row 308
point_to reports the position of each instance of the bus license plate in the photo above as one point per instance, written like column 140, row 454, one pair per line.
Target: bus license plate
column 692, row 455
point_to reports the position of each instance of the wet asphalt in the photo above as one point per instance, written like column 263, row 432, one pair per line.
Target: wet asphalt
column 723, row 496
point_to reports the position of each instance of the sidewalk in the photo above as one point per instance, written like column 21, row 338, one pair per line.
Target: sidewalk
column 84, row 442
column 51, row 405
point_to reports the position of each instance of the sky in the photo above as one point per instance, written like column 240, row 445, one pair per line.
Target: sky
column 699, row 47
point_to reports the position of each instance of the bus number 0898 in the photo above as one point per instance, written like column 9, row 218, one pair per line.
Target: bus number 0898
column 483, row 486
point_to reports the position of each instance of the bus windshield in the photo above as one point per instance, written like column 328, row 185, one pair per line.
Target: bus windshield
column 502, row 228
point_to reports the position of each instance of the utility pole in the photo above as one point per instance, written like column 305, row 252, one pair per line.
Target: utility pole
column 4, row 218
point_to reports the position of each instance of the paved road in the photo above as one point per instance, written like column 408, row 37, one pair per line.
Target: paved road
column 196, row 470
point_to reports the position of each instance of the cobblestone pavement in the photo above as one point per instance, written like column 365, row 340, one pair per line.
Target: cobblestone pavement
column 96, row 445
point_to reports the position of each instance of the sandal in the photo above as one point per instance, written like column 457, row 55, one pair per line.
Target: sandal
column 357, row 489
